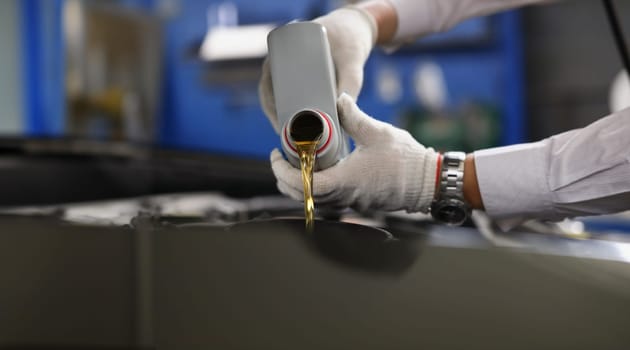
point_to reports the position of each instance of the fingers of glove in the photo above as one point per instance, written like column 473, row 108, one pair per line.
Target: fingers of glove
column 326, row 183
column 360, row 126
column 285, row 174
column 334, row 199
column 350, row 77
column 323, row 181
column 351, row 37
column 284, row 171
column 293, row 193
column 265, row 94
column 332, row 181
column 297, row 193
column 290, row 178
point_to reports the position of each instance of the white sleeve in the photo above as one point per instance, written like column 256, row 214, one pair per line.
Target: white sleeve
column 581, row 172
column 417, row 18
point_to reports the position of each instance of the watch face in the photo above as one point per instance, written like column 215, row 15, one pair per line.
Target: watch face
column 451, row 212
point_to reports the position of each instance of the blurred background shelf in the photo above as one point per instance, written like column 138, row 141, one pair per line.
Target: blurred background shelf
column 130, row 70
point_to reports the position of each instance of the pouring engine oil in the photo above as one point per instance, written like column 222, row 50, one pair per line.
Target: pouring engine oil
column 306, row 131
column 311, row 135
column 307, row 151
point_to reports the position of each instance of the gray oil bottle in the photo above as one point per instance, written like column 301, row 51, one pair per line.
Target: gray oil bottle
column 303, row 78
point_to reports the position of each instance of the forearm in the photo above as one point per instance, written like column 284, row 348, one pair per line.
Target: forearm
column 580, row 172
column 472, row 195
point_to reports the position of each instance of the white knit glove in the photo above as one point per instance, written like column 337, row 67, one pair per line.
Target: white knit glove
column 388, row 170
column 351, row 34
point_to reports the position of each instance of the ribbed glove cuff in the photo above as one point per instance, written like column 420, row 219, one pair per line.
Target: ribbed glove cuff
column 370, row 20
column 421, row 181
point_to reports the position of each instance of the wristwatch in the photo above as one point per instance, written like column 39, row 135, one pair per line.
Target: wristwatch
column 449, row 206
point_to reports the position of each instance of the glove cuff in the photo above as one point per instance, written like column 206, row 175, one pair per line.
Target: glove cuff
column 421, row 189
column 369, row 18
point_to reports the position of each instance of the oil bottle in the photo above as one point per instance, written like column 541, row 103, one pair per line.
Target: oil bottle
column 303, row 78
column 304, row 85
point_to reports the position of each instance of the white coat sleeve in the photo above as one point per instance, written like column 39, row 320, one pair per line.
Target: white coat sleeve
column 580, row 172
column 417, row 18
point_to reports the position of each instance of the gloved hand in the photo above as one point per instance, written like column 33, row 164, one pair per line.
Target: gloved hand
column 351, row 35
column 388, row 170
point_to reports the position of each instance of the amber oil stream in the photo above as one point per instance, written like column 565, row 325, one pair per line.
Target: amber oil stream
column 307, row 151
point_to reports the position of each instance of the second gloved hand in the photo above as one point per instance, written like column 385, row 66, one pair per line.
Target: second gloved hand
column 388, row 170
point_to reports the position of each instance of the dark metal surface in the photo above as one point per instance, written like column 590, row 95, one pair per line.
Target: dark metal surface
column 264, row 288
column 264, row 285
column 360, row 247
column 65, row 286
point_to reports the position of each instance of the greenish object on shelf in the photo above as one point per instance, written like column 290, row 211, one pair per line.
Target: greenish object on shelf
column 482, row 124
column 469, row 127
